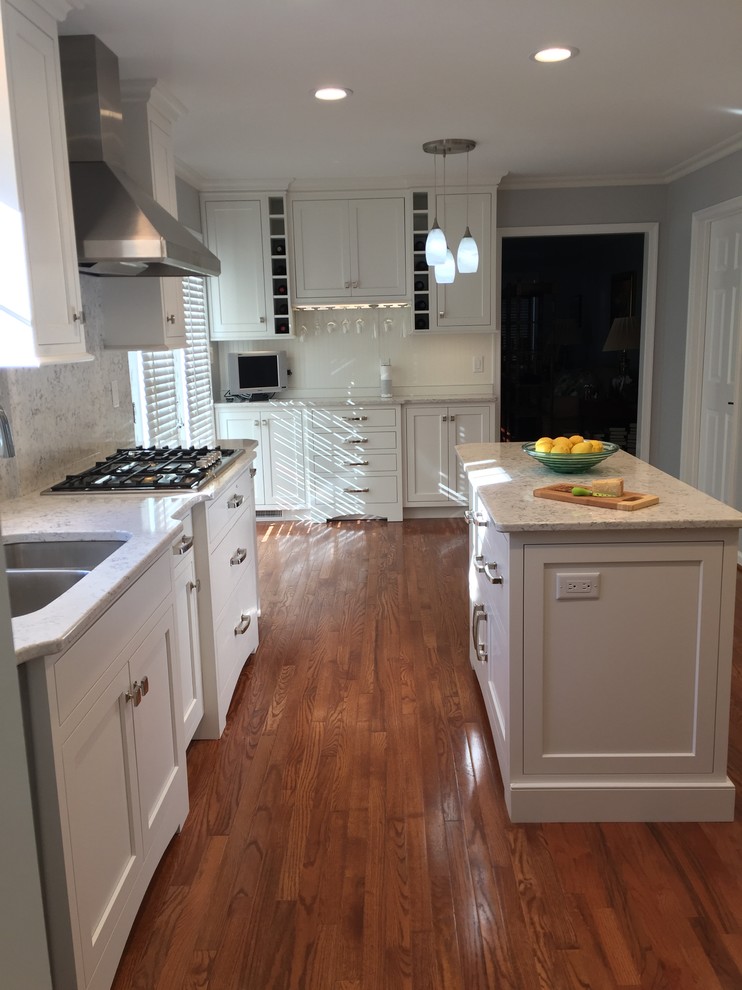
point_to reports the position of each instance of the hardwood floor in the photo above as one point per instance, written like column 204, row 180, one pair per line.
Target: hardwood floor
column 348, row 831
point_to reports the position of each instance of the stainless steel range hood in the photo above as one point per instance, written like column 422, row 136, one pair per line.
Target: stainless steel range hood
column 119, row 227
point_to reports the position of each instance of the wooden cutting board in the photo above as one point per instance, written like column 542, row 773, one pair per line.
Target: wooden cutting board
column 628, row 501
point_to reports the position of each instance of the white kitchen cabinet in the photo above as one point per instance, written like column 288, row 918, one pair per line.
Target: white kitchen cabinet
column 279, row 480
column 147, row 313
column 186, row 587
column 466, row 303
column 110, row 772
column 433, row 474
column 235, row 232
column 41, row 307
column 354, row 464
column 226, row 560
column 349, row 249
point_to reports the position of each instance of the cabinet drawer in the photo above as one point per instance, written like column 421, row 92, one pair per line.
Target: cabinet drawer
column 352, row 463
column 229, row 561
column 353, row 420
column 79, row 668
column 357, row 443
column 233, row 645
column 229, row 505
column 352, row 494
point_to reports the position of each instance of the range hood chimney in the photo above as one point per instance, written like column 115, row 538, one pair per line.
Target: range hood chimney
column 120, row 229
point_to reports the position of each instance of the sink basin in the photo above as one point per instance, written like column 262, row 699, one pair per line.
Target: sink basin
column 40, row 571
column 32, row 589
column 75, row 554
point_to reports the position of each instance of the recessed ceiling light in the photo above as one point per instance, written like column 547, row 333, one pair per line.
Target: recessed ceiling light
column 555, row 54
column 332, row 93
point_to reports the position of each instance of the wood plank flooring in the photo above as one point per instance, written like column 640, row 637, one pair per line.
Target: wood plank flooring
column 348, row 831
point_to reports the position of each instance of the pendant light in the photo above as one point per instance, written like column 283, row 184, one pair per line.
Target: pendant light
column 437, row 253
column 435, row 245
column 467, row 257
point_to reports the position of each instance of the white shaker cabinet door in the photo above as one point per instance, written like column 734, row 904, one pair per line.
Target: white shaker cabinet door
column 322, row 249
column 467, row 301
column 35, row 149
column 378, row 249
column 234, row 232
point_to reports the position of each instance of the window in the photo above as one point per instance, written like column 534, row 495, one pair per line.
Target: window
column 172, row 389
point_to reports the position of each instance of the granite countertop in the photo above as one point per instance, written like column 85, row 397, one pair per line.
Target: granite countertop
column 505, row 478
column 149, row 525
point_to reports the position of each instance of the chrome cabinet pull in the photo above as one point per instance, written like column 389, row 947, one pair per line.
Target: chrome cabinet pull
column 347, row 285
column 135, row 694
column 253, row 472
column 145, row 685
column 262, row 319
column 355, row 491
column 235, row 501
column 474, row 518
column 479, row 614
column 355, row 464
column 79, row 317
column 359, row 440
column 243, row 625
column 354, row 419
column 355, row 284
column 186, row 542
column 171, row 318
column 238, row 557
column 194, row 585
column 489, row 569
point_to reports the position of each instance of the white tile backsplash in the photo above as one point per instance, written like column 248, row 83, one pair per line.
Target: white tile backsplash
column 344, row 359
column 62, row 415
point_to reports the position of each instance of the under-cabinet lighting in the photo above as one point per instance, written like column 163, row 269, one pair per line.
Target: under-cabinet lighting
column 351, row 305
column 330, row 93
column 555, row 54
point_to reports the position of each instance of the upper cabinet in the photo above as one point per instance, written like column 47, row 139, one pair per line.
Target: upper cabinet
column 147, row 313
column 41, row 315
column 251, row 296
column 465, row 304
column 349, row 249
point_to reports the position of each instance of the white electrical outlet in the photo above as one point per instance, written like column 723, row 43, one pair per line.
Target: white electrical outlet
column 477, row 364
column 582, row 584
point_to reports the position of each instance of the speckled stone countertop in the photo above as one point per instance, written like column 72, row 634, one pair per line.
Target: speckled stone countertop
column 358, row 400
column 148, row 524
column 505, row 477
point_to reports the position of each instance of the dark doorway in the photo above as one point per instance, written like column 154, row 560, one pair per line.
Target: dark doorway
column 571, row 333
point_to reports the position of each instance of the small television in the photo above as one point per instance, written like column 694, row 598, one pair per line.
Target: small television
column 255, row 375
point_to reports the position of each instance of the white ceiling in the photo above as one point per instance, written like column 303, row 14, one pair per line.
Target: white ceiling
column 656, row 88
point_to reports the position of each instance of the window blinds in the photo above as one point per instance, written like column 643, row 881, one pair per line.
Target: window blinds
column 172, row 389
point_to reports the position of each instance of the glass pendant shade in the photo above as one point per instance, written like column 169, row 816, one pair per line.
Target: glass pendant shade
column 446, row 273
column 435, row 245
column 467, row 257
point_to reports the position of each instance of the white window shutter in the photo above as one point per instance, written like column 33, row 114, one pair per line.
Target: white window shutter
column 161, row 422
column 199, row 408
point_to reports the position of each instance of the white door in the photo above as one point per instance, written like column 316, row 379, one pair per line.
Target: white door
column 321, row 249
column 378, row 247
column 234, row 232
column 718, row 463
column 427, row 455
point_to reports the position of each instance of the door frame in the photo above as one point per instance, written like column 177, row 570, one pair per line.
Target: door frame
column 695, row 334
column 649, row 305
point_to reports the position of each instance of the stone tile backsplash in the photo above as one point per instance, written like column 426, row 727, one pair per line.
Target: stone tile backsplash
column 62, row 415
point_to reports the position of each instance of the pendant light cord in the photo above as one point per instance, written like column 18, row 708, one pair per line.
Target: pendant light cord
column 467, row 190
column 444, row 190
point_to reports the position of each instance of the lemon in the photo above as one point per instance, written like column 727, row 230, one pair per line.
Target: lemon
column 597, row 446
column 544, row 446
column 584, row 447
column 561, row 448
column 544, row 440
column 563, row 440
column 576, row 438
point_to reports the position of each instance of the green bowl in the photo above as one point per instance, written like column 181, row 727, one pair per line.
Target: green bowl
column 570, row 463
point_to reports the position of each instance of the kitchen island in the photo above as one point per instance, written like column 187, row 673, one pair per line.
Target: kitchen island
column 602, row 641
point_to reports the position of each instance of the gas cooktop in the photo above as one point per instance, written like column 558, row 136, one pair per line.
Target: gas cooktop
column 157, row 470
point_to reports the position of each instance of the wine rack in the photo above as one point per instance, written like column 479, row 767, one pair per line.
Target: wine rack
column 279, row 266
column 421, row 271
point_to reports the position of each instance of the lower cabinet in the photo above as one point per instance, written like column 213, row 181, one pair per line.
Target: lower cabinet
column 612, row 707
column 279, row 478
column 433, row 474
column 186, row 587
column 226, row 556
column 355, row 462
column 110, row 775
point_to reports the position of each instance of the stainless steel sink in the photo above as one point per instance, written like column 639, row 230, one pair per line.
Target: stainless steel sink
column 75, row 554
column 40, row 571
column 35, row 588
